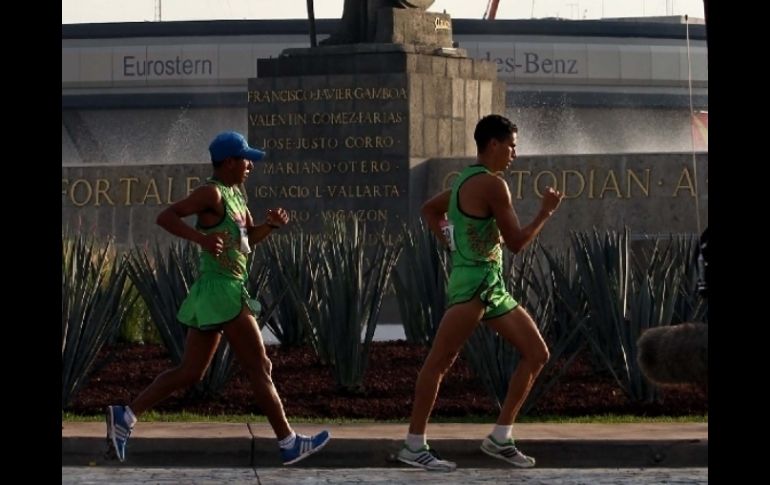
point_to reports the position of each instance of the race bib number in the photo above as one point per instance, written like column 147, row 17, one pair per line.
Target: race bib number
column 449, row 233
column 245, row 248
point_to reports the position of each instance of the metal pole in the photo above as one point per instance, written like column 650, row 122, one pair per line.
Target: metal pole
column 493, row 10
column 311, row 18
column 692, row 135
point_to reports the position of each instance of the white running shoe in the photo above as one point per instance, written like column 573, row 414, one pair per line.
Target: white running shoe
column 507, row 451
column 426, row 458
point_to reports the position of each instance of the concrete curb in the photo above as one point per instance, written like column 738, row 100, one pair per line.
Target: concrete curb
column 372, row 446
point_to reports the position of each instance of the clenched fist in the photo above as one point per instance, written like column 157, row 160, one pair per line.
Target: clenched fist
column 276, row 218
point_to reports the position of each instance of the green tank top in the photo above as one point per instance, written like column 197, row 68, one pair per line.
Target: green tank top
column 476, row 239
column 232, row 262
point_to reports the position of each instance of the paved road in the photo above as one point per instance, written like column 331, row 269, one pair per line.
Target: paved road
column 377, row 476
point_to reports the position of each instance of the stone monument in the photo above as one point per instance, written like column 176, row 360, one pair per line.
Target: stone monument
column 359, row 19
column 348, row 127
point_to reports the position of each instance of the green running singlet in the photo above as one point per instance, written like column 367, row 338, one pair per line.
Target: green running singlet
column 220, row 291
column 477, row 256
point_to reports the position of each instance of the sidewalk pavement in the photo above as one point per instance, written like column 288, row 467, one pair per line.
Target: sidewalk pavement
column 375, row 445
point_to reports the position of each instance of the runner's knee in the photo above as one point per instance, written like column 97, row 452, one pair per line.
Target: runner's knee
column 539, row 355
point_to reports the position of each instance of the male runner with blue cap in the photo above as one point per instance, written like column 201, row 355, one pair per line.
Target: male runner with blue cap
column 218, row 302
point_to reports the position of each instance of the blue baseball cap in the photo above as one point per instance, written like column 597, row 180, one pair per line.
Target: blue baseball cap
column 233, row 144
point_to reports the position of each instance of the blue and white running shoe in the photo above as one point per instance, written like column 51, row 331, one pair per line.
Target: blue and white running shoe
column 119, row 427
column 304, row 446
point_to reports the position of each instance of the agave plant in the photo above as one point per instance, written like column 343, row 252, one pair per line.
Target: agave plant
column 164, row 281
column 289, row 260
column 625, row 299
column 690, row 306
column 419, row 281
column 604, row 269
column 570, row 311
column 94, row 303
column 346, row 298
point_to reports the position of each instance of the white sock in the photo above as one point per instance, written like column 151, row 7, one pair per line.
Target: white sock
column 502, row 433
column 130, row 417
column 288, row 442
column 415, row 441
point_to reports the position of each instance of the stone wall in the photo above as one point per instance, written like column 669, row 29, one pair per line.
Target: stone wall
column 650, row 193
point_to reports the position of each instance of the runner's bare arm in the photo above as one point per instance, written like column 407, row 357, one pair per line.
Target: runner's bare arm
column 202, row 199
column 516, row 237
column 274, row 219
column 434, row 211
